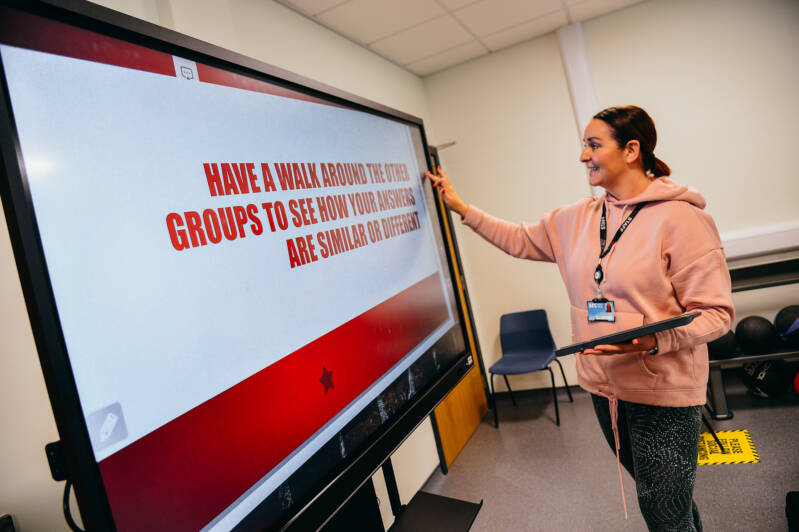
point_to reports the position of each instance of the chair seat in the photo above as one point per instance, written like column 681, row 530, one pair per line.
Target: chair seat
column 527, row 346
column 523, row 361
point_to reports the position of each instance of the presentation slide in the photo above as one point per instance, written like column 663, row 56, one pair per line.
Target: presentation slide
column 238, row 268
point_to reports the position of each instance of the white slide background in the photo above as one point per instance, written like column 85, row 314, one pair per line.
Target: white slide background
column 109, row 152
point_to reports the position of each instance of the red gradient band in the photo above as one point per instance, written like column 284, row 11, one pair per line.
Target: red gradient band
column 217, row 76
column 37, row 33
column 30, row 31
column 185, row 473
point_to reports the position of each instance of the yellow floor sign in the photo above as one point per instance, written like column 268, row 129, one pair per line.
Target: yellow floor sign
column 737, row 444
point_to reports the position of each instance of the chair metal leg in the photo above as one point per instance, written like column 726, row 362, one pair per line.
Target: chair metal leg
column 555, row 396
column 509, row 390
column 494, row 401
column 566, row 384
column 713, row 433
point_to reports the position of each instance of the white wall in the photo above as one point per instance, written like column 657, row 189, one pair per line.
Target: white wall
column 27, row 491
column 719, row 78
column 260, row 29
column 516, row 156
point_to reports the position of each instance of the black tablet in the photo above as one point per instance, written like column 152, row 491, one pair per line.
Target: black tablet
column 630, row 334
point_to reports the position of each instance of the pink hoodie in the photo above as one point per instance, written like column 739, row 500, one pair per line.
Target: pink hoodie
column 668, row 261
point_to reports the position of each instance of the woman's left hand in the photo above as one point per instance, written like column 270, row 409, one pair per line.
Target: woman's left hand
column 638, row 345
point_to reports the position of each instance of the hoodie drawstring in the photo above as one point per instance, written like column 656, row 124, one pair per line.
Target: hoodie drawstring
column 613, row 406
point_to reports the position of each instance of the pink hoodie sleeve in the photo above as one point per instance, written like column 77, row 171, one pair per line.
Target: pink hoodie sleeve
column 525, row 241
column 701, row 282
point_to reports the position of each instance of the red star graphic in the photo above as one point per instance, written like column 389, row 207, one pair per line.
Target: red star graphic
column 326, row 379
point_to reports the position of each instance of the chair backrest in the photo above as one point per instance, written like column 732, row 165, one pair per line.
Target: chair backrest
column 525, row 330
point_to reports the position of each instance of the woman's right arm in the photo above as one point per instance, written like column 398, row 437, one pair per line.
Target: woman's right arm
column 526, row 241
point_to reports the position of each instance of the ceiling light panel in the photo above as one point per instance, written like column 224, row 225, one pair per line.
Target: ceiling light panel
column 446, row 59
column 490, row 16
column 525, row 31
column 366, row 21
column 424, row 40
column 457, row 4
column 314, row 7
column 586, row 9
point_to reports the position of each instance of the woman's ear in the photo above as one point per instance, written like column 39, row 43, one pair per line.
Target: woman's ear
column 632, row 151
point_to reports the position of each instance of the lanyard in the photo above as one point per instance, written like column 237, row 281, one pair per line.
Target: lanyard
column 603, row 233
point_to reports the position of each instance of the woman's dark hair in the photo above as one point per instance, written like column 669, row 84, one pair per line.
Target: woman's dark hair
column 633, row 123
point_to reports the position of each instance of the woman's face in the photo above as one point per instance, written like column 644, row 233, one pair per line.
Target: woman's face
column 602, row 155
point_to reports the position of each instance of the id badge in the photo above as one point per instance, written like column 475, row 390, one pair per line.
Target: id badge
column 601, row 310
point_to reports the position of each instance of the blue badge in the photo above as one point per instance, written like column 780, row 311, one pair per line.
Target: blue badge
column 601, row 310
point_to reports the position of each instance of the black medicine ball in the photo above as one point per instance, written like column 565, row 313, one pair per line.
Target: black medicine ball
column 756, row 335
column 723, row 347
column 787, row 324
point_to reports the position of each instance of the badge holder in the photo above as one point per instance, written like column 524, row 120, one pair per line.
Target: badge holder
column 600, row 308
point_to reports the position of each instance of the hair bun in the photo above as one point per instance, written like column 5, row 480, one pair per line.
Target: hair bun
column 661, row 169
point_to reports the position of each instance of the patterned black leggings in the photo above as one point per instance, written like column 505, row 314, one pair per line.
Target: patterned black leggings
column 659, row 447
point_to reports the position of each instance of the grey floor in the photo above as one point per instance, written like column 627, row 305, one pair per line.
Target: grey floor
column 533, row 475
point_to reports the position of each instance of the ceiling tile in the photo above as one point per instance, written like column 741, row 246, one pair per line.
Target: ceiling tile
column 366, row 21
column 593, row 8
column 446, row 59
column 525, row 31
column 313, row 7
column 490, row 16
column 457, row 4
column 424, row 40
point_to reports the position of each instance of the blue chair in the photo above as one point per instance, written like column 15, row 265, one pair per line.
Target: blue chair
column 527, row 346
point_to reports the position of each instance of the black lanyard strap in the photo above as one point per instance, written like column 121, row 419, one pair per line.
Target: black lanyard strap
column 603, row 233
column 603, row 229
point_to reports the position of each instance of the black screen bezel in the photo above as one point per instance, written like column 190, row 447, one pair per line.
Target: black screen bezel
column 40, row 302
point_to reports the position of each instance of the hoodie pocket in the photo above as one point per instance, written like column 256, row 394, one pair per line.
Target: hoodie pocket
column 642, row 359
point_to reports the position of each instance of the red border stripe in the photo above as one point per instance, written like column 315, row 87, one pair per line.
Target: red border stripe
column 30, row 31
column 37, row 33
column 217, row 76
column 185, row 473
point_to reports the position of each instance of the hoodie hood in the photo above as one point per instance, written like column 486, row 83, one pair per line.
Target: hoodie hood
column 662, row 189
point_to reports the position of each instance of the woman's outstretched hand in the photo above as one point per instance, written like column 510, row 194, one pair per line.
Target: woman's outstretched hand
column 638, row 345
column 451, row 198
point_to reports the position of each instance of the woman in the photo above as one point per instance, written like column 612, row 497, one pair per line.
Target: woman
column 643, row 252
